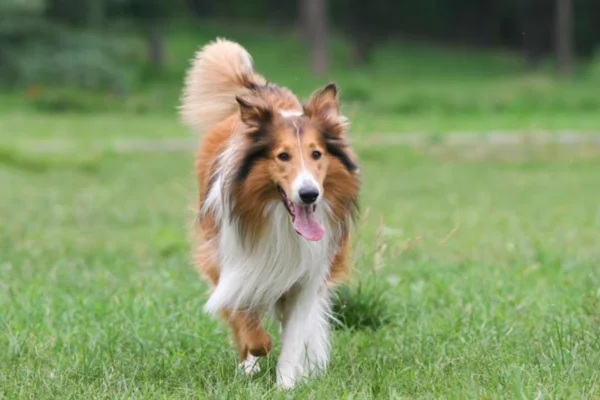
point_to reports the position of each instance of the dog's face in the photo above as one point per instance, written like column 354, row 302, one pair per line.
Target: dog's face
column 291, row 155
column 298, row 167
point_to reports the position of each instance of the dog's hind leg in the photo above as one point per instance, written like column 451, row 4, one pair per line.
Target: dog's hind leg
column 249, row 336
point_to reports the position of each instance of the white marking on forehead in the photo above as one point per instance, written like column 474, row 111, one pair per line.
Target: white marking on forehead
column 290, row 113
column 299, row 146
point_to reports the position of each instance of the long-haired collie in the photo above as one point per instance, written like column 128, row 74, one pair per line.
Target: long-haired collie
column 278, row 186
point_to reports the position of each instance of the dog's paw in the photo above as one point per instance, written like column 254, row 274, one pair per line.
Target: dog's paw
column 250, row 365
column 287, row 378
column 285, row 383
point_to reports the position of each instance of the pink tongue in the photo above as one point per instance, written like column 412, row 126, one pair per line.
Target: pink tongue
column 306, row 223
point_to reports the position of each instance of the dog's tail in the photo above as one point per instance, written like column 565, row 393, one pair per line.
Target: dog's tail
column 220, row 71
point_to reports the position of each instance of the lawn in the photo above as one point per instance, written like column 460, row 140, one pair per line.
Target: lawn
column 487, row 259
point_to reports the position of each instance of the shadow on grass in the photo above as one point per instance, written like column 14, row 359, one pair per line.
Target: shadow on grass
column 18, row 159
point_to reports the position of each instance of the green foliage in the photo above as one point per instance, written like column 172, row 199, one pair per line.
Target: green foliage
column 436, row 87
column 363, row 305
column 594, row 66
column 21, row 6
column 84, row 60
column 406, row 87
column 35, row 50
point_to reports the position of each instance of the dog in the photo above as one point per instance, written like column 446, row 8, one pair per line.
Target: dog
column 278, row 187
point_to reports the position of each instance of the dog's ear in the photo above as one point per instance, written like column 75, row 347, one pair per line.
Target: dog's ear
column 254, row 114
column 324, row 103
column 323, row 107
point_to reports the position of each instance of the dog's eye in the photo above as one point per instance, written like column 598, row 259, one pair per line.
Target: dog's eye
column 284, row 156
column 316, row 155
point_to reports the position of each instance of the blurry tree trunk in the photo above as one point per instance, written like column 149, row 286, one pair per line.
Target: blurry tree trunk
column 494, row 22
column 95, row 13
column 314, row 20
column 156, row 45
column 362, row 26
column 532, row 32
column 304, row 20
column 564, row 36
column 362, row 47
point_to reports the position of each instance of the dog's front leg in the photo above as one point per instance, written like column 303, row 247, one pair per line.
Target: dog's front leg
column 305, row 334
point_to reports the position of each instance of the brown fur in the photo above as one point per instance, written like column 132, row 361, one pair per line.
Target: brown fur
column 224, row 97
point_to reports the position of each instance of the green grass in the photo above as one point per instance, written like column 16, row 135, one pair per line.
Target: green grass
column 489, row 264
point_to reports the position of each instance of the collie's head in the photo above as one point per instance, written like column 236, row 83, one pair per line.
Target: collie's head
column 298, row 157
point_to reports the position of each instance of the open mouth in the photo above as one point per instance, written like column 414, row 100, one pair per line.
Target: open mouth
column 303, row 217
column 289, row 206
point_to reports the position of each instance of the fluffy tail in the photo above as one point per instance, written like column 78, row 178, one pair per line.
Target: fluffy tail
column 220, row 71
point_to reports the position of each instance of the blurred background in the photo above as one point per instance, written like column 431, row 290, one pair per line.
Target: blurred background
column 430, row 65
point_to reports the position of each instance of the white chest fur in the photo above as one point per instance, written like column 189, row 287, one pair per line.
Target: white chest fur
column 255, row 278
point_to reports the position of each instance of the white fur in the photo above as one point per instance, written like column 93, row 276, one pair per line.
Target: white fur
column 217, row 74
column 250, row 365
column 257, row 277
column 290, row 113
column 283, row 272
column 216, row 201
column 305, row 335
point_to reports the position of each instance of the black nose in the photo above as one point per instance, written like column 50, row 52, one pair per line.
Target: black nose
column 309, row 195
